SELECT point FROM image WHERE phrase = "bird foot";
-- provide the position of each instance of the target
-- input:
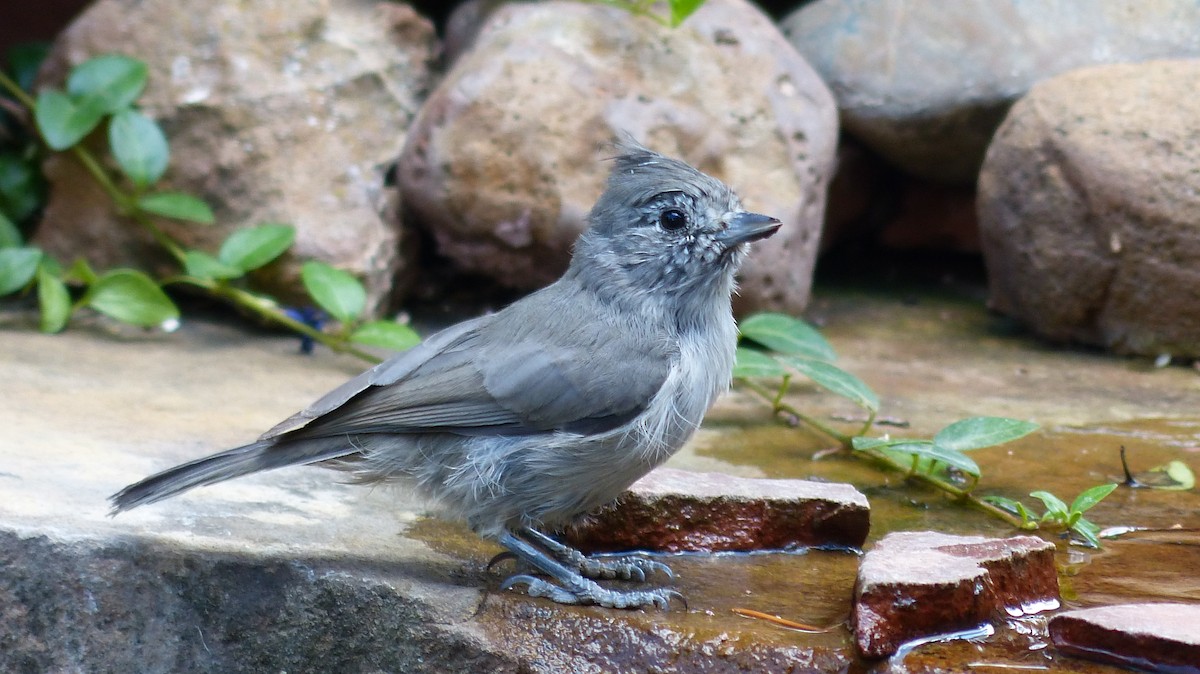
(624, 567)
(569, 571)
(586, 591)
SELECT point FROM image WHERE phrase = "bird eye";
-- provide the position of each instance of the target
(672, 219)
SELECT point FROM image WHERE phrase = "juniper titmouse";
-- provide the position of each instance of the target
(523, 420)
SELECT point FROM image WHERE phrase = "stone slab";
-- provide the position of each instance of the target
(1155, 637)
(673, 510)
(921, 583)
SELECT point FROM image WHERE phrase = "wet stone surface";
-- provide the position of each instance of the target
(922, 583)
(278, 571)
(1157, 637)
(673, 510)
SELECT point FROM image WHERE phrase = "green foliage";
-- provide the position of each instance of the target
(1058, 514)
(835, 380)
(386, 335)
(17, 267)
(21, 187)
(777, 347)
(334, 290)
(53, 299)
(132, 297)
(64, 121)
(248, 249)
(784, 334)
(104, 90)
(112, 81)
(24, 60)
(139, 146)
(10, 236)
(178, 206)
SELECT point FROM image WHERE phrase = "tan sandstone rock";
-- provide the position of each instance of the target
(506, 157)
(275, 111)
(1088, 207)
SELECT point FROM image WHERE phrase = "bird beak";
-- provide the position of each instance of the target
(746, 227)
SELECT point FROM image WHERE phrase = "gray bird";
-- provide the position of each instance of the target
(521, 421)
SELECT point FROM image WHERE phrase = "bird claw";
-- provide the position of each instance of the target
(589, 592)
(625, 568)
(500, 557)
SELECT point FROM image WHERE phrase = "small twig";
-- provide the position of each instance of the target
(782, 622)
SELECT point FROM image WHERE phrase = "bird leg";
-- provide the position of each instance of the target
(627, 567)
(572, 587)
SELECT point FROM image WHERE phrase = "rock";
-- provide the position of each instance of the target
(505, 159)
(1153, 637)
(921, 583)
(281, 112)
(1087, 209)
(672, 510)
(927, 83)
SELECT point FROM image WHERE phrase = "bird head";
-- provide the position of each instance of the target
(664, 227)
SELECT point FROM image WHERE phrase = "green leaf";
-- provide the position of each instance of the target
(1182, 475)
(115, 81)
(177, 205)
(202, 265)
(53, 299)
(80, 271)
(836, 380)
(10, 236)
(386, 335)
(21, 187)
(1172, 476)
(64, 121)
(1088, 531)
(334, 290)
(139, 146)
(929, 450)
(24, 60)
(863, 442)
(17, 267)
(682, 9)
(131, 297)
(1055, 506)
(1011, 505)
(977, 432)
(1090, 497)
(752, 363)
(785, 334)
(253, 247)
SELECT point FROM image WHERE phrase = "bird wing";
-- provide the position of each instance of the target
(387, 372)
(517, 373)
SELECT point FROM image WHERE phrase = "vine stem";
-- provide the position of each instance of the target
(779, 407)
(267, 309)
(127, 205)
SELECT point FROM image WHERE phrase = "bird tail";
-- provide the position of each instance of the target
(258, 456)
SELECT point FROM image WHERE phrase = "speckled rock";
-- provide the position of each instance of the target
(1152, 637)
(672, 510)
(919, 583)
(926, 83)
(1087, 209)
(275, 111)
(506, 157)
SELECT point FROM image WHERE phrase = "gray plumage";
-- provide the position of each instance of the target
(530, 417)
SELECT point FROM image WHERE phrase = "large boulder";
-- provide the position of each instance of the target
(275, 111)
(926, 82)
(507, 156)
(1088, 206)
